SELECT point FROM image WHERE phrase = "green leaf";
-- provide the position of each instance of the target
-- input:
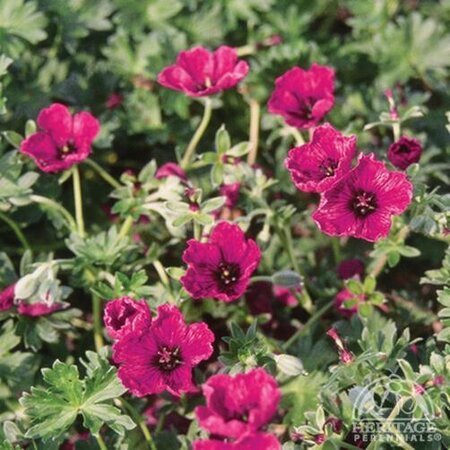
(13, 138)
(54, 408)
(223, 142)
(370, 284)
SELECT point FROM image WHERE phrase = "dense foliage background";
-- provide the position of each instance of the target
(104, 56)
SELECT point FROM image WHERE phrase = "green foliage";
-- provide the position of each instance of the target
(54, 407)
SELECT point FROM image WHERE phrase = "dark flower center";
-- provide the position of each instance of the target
(363, 203)
(119, 321)
(168, 359)
(305, 108)
(403, 149)
(67, 149)
(227, 274)
(328, 167)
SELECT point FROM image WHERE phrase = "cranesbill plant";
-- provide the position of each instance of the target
(223, 247)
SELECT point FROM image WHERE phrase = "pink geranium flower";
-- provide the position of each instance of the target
(238, 405)
(350, 268)
(303, 97)
(404, 152)
(125, 315)
(199, 72)
(254, 441)
(171, 170)
(162, 358)
(64, 140)
(222, 267)
(231, 193)
(317, 165)
(7, 298)
(38, 309)
(343, 296)
(362, 203)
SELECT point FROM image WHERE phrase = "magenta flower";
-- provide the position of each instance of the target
(7, 298)
(222, 267)
(231, 193)
(125, 315)
(199, 72)
(362, 203)
(65, 140)
(162, 358)
(317, 165)
(171, 170)
(350, 268)
(254, 441)
(238, 405)
(303, 97)
(38, 309)
(344, 296)
(114, 100)
(404, 152)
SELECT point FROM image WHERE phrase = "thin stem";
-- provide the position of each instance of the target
(97, 318)
(255, 113)
(142, 425)
(197, 231)
(103, 173)
(101, 442)
(299, 140)
(17, 231)
(307, 301)
(379, 264)
(388, 426)
(313, 319)
(257, 278)
(396, 130)
(126, 227)
(336, 245)
(57, 207)
(78, 201)
(190, 149)
(161, 273)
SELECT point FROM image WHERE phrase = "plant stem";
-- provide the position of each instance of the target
(396, 131)
(336, 245)
(261, 278)
(78, 201)
(103, 173)
(312, 320)
(255, 112)
(57, 207)
(97, 318)
(197, 231)
(307, 302)
(126, 227)
(101, 442)
(379, 264)
(161, 273)
(190, 149)
(299, 140)
(388, 426)
(142, 425)
(17, 231)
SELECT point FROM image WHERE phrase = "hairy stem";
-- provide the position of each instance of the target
(255, 113)
(78, 201)
(17, 231)
(126, 227)
(312, 320)
(101, 442)
(102, 173)
(44, 201)
(141, 422)
(190, 149)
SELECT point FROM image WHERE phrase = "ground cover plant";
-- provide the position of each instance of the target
(224, 225)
